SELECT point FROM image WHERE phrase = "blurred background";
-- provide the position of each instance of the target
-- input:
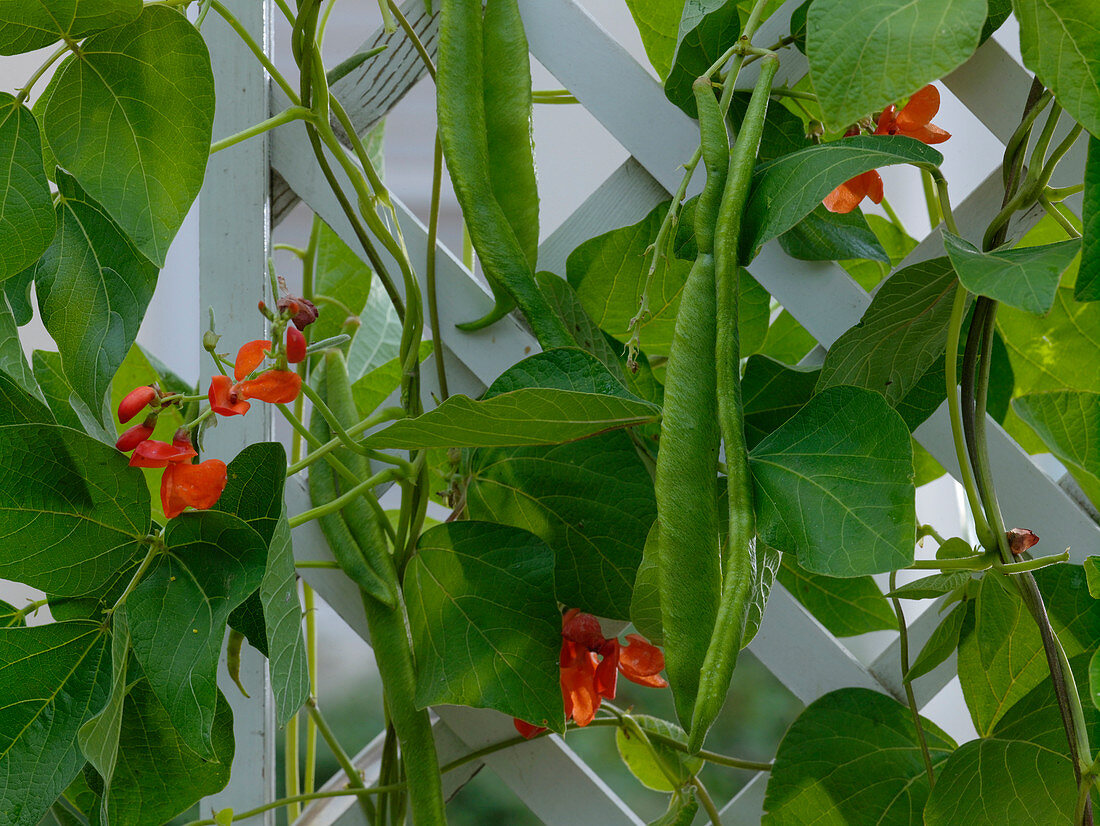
(574, 156)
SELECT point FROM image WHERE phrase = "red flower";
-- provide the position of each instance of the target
(134, 402)
(151, 453)
(225, 398)
(590, 665)
(295, 345)
(249, 357)
(134, 437)
(274, 386)
(913, 121)
(199, 486)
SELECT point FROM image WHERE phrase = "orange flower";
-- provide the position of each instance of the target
(151, 453)
(134, 402)
(274, 386)
(199, 486)
(590, 665)
(249, 357)
(225, 399)
(913, 121)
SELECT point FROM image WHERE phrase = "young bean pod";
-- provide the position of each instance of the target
(686, 484)
(729, 629)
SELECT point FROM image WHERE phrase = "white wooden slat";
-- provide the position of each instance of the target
(524, 769)
(747, 806)
(370, 91)
(233, 250)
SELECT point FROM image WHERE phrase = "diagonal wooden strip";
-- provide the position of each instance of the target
(369, 92)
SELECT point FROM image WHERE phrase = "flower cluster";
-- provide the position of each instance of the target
(229, 397)
(914, 121)
(590, 665)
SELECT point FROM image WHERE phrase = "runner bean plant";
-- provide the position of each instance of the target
(674, 449)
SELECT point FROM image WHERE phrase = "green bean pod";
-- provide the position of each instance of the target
(498, 200)
(353, 534)
(686, 483)
(729, 629)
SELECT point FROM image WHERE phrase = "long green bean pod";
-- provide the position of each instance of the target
(686, 484)
(464, 134)
(729, 629)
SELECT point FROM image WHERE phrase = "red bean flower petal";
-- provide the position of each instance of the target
(526, 729)
(151, 453)
(273, 386)
(134, 402)
(224, 399)
(134, 437)
(198, 486)
(249, 357)
(583, 629)
(295, 345)
(640, 661)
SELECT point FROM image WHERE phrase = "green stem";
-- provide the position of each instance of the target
(317, 563)
(156, 547)
(286, 116)
(340, 502)
(930, 198)
(707, 801)
(410, 33)
(944, 198)
(309, 261)
(433, 299)
(314, 674)
(1060, 193)
(893, 216)
(256, 50)
(1036, 103)
(1031, 564)
(903, 638)
(928, 530)
(1055, 156)
(25, 91)
(385, 415)
(793, 93)
(978, 562)
(302, 798)
(330, 418)
(1055, 211)
(350, 772)
(1082, 800)
(290, 768)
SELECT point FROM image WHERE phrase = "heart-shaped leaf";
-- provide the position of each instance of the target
(846, 607)
(1026, 277)
(832, 236)
(557, 396)
(1068, 422)
(485, 621)
(838, 494)
(26, 25)
(852, 757)
(865, 54)
(788, 189)
(26, 208)
(143, 163)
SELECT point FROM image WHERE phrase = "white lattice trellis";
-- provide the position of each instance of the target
(557, 786)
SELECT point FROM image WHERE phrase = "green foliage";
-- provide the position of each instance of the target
(853, 757)
(864, 55)
(657, 22)
(830, 236)
(1068, 422)
(707, 29)
(941, 644)
(26, 214)
(1088, 281)
(841, 499)
(25, 27)
(846, 607)
(485, 623)
(642, 759)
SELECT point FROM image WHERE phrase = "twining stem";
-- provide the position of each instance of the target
(257, 50)
(433, 298)
(314, 674)
(903, 638)
(355, 780)
(309, 261)
(707, 801)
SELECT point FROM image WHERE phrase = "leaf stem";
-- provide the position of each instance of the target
(410, 32)
(290, 769)
(340, 502)
(355, 780)
(156, 547)
(256, 50)
(903, 638)
(433, 299)
(707, 801)
(1056, 212)
(289, 114)
(314, 674)
(25, 90)
(387, 414)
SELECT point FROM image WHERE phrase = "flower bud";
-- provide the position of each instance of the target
(302, 311)
(295, 345)
(134, 402)
(134, 437)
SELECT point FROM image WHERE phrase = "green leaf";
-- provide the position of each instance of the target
(1094, 678)
(485, 622)
(557, 396)
(642, 759)
(72, 512)
(707, 29)
(178, 614)
(93, 287)
(787, 340)
(99, 736)
(1037, 717)
(283, 619)
(846, 607)
(55, 387)
(1026, 277)
(658, 23)
(1092, 575)
(999, 12)
(1068, 422)
(26, 26)
(1088, 280)
(942, 642)
(853, 757)
(378, 339)
(143, 163)
(1060, 43)
(13, 362)
(158, 776)
(784, 132)
(838, 495)
(377, 385)
(254, 487)
(610, 272)
(26, 207)
(788, 189)
(831, 236)
(682, 808)
(865, 54)
(339, 274)
(53, 678)
(591, 501)
(17, 290)
(508, 129)
(1003, 781)
(798, 25)
(901, 335)
(771, 393)
(930, 587)
(1000, 653)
